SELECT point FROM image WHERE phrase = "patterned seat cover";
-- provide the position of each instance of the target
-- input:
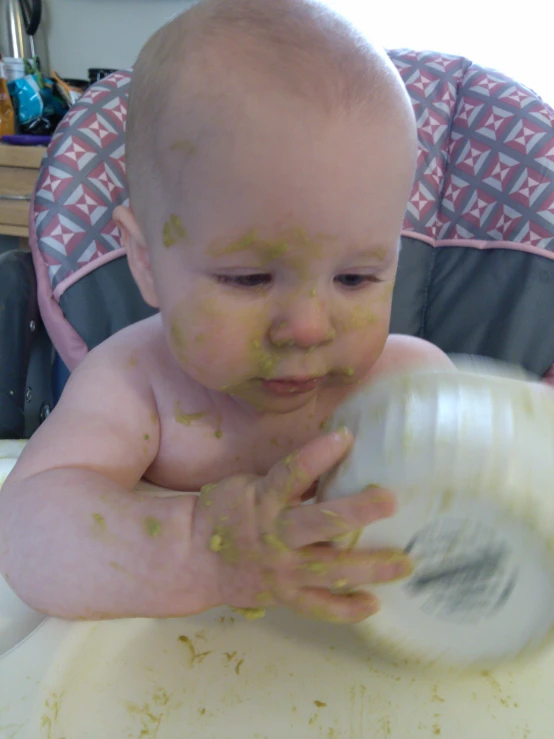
(485, 179)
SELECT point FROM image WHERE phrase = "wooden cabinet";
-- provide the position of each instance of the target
(19, 167)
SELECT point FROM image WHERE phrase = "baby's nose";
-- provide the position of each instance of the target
(303, 323)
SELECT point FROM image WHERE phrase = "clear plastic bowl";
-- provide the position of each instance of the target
(470, 457)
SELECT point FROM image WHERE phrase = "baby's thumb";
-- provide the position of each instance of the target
(296, 476)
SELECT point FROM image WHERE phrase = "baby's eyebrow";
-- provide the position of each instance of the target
(378, 254)
(270, 249)
(244, 243)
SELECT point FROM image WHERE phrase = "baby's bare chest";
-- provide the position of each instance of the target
(203, 442)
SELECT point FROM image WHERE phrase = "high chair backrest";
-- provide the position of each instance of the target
(476, 270)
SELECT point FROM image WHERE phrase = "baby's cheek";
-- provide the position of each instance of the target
(242, 346)
(220, 338)
(250, 346)
(367, 314)
(191, 327)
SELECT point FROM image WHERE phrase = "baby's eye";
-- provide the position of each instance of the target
(254, 280)
(354, 280)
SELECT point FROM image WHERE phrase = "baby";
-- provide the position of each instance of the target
(270, 156)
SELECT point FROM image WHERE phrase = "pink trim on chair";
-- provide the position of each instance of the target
(475, 244)
(86, 269)
(548, 377)
(69, 344)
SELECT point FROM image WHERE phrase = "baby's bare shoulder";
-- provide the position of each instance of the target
(404, 352)
(106, 419)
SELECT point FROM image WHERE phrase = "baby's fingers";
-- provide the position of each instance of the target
(325, 567)
(323, 605)
(301, 526)
(293, 476)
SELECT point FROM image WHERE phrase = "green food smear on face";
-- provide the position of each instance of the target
(173, 231)
(218, 433)
(359, 317)
(294, 242)
(265, 361)
(282, 343)
(168, 238)
(178, 340)
(270, 251)
(216, 543)
(245, 242)
(152, 526)
(146, 437)
(177, 226)
(184, 145)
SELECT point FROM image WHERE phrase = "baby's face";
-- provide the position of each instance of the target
(275, 259)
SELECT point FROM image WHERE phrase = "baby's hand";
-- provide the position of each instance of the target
(272, 550)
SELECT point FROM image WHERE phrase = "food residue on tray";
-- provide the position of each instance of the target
(195, 656)
(49, 718)
(151, 713)
(436, 696)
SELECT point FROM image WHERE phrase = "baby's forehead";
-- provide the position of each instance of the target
(290, 243)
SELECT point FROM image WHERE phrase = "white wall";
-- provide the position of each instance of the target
(101, 33)
(514, 39)
(109, 33)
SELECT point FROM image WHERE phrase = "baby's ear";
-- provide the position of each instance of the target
(137, 253)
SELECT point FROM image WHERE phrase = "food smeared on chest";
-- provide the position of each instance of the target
(152, 527)
(98, 524)
(187, 418)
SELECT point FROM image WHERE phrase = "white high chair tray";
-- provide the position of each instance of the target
(218, 676)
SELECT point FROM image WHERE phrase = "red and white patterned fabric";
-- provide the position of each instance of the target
(485, 172)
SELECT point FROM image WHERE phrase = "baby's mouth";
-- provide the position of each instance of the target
(292, 385)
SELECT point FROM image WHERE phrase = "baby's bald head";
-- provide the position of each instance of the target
(193, 79)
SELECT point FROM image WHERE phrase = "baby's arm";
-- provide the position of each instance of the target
(74, 541)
